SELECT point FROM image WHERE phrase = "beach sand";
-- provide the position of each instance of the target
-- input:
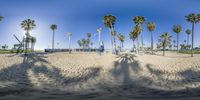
(90, 76)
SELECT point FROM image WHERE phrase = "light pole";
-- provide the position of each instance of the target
(69, 37)
(99, 31)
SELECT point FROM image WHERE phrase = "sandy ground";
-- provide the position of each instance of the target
(91, 76)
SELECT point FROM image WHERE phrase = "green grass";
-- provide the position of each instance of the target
(189, 52)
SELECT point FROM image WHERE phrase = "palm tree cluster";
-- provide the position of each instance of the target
(121, 38)
(109, 22)
(28, 25)
(85, 42)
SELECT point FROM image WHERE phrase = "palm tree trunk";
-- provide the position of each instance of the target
(151, 42)
(142, 42)
(53, 41)
(111, 38)
(192, 39)
(187, 39)
(163, 50)
(26, 44)
(177, 41)
(115, 45)
(69, 44)
(33, 47)
(138, 45)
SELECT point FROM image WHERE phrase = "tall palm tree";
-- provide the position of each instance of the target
(151, 27)
(193, 19)
(137, 31)
(133, 36)
(69, 34)
(27, 25)
(33, 41)
(53, 28)
(1, 18)
(165, 40)
(177, 29)
(109, 22)
(139, 21)
(188, 32)
(121, 38)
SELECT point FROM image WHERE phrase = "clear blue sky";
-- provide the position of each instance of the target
(82, 16)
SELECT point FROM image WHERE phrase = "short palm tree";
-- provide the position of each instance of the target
(79, 43)
(69, 34)
(139, 21)
(88, 38)
(177, 29)
(121, 38)
(1, 18)
(53, 28)
(193, 19)
(151, 27)
(33, 41)
(109, 22)
(174, 42)
(28, 25)
(165, 40)
(28, 41)
(188, 32)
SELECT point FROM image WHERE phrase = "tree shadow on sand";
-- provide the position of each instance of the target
(125, 72)
(131, 87)
(15, 79)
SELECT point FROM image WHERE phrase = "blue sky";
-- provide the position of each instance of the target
(82, 16)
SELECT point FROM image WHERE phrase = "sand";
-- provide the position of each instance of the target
(92, 76)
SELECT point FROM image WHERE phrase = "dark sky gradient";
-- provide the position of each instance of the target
(82, 16)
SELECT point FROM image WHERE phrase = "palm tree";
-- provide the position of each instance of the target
(69, 34)
(177, 29)
(151, 27)
(88, 39)
(137, 31)
(33, 41)
(109, 22)
(133, 35)
(1, 18)
(28, 25)
(53, 28)
(79, 43)
(188, 32)
(139, 21)
(193, 19)
(184, 42)
(84, 43)
(174, 42)
(165, 40)
(121, 38)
